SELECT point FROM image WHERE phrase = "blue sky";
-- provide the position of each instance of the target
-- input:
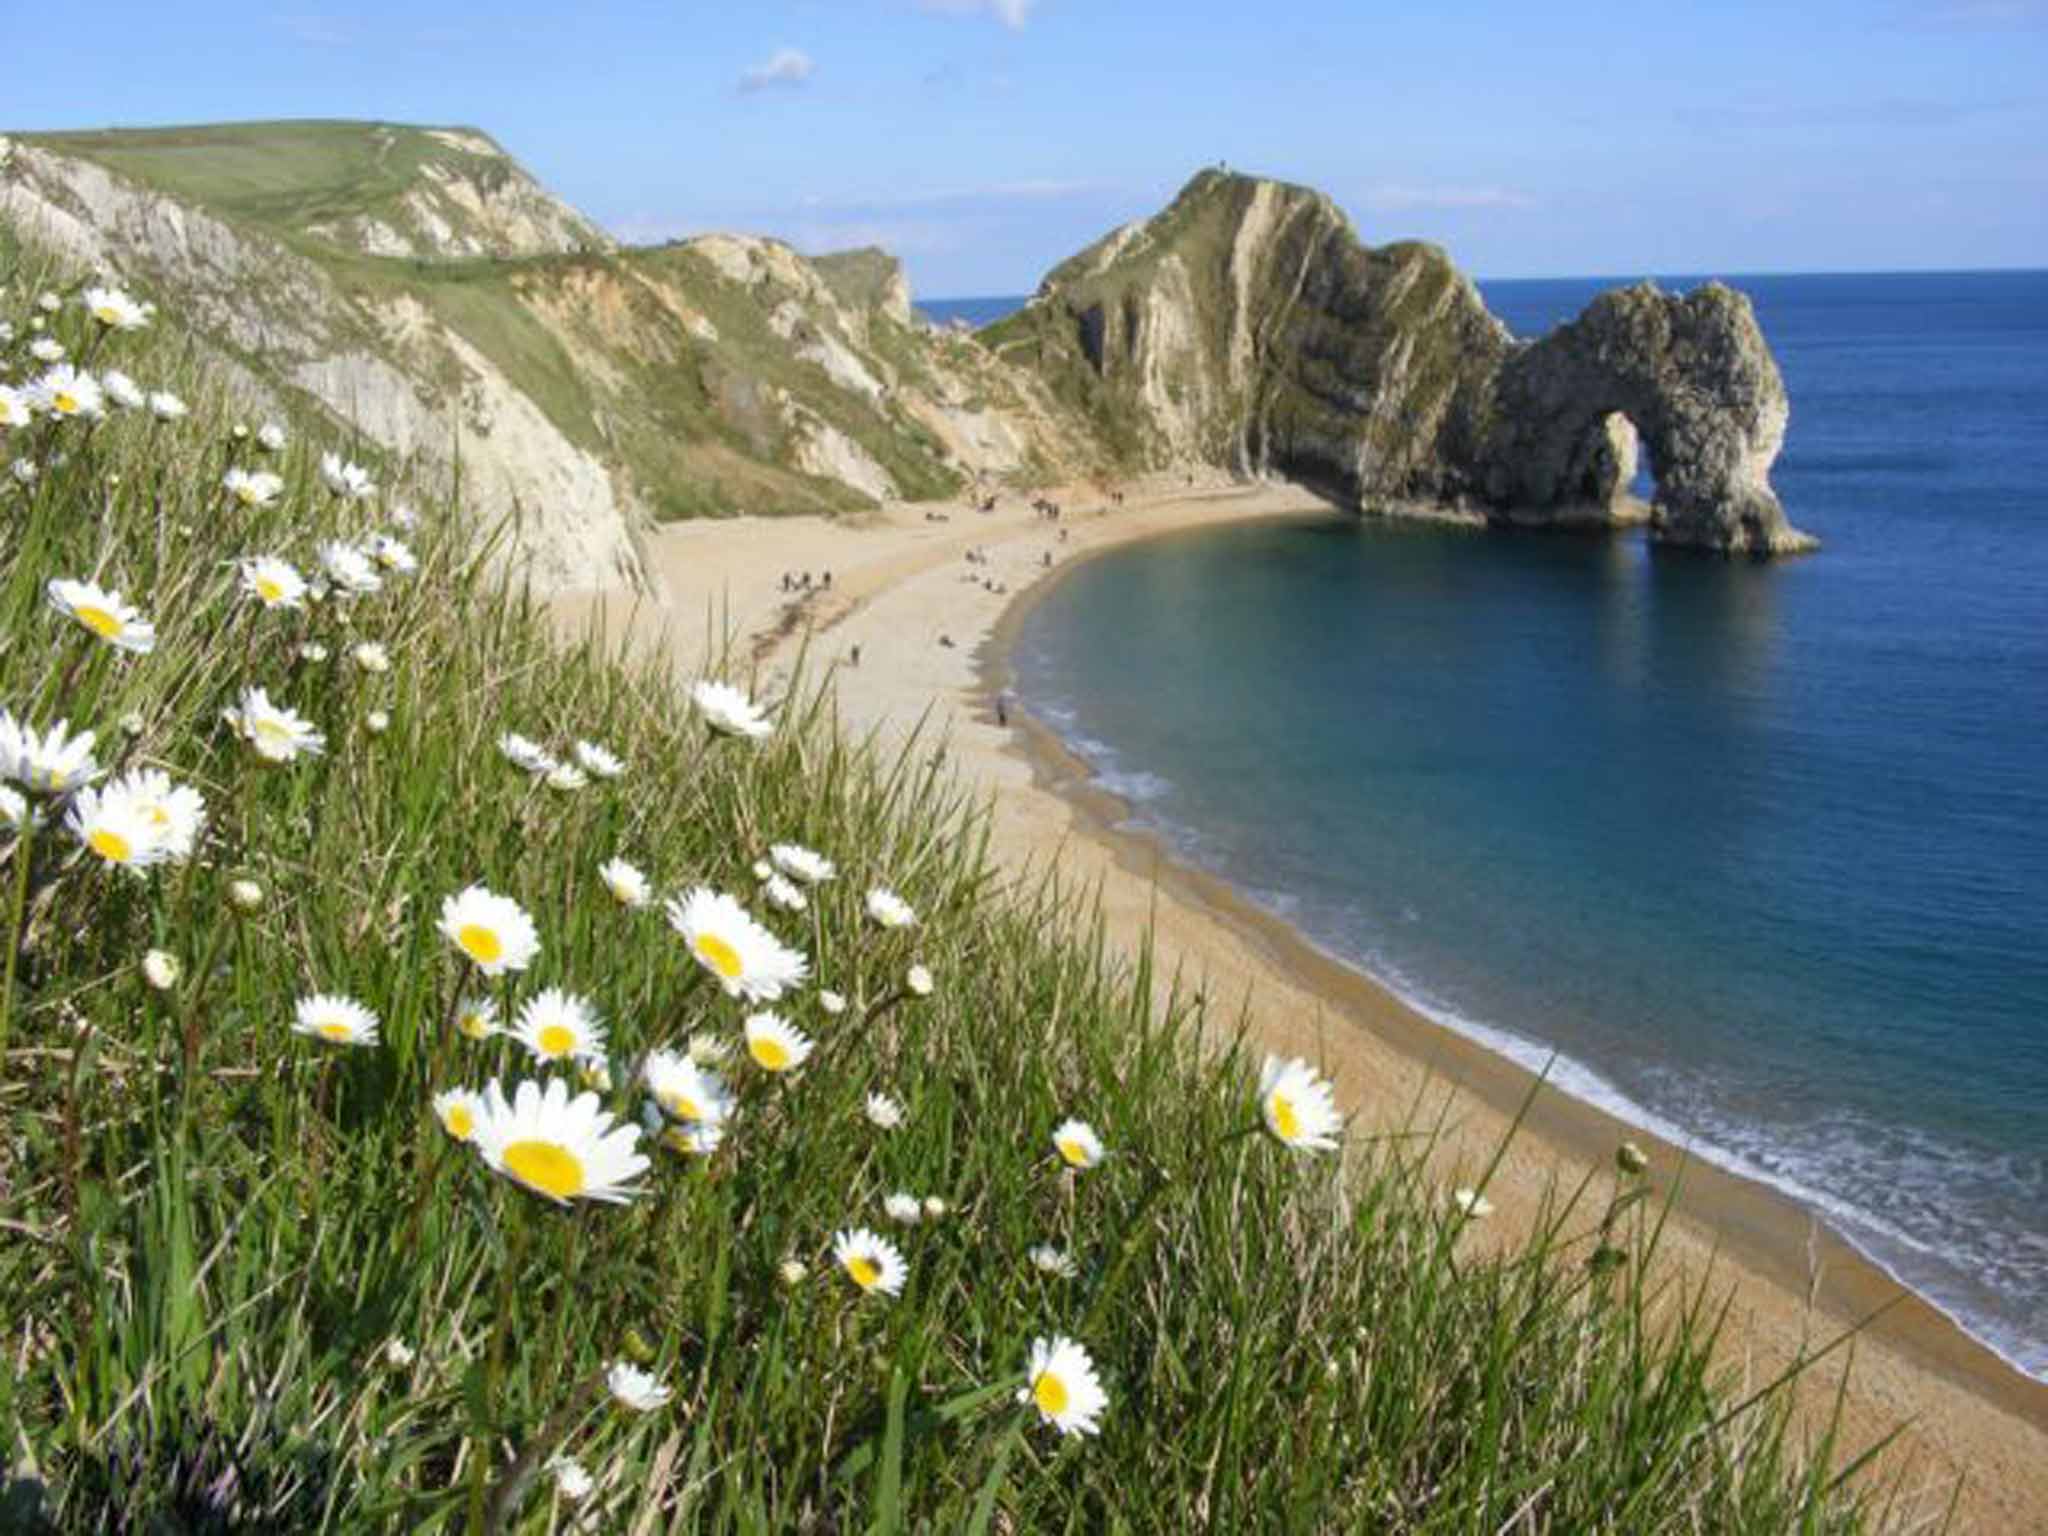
(983, 140)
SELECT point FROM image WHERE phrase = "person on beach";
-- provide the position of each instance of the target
(1003, 711)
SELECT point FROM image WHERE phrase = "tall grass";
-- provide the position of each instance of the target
(248, 1281)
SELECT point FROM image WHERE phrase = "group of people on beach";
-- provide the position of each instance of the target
(800, 581)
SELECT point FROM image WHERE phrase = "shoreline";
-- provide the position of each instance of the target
(937, 639)
(1588, 1127)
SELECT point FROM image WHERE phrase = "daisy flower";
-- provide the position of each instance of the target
(122, 390)
(270, 437)
(114, 309)
(693, 1138)
(783, 894)
(729, 711)
(1078, 1145)
(103, 612)
(476, 1018)
(349, 481)
(177, 812)
(628, 886)
(884, 1111)
(831, 1002)
(557, 1025)
(273, 582)
(902, 1208)
(65, 392)
(165, 406)
(335, 1019)
(1298, 1106)
(775, 1045)
(371, 657)
(934, 1208)
(46, 349)
(597, 762)
(572, 1482)
(115, 824)
(706, 1049)
(1057, 1262)
(491, 931)
(871, 1261)
(1063, 1387)
(459, 1109)
(14, 407)
(51, 761)
(890, 910)
(559, 1148)
(635, 1389)
(393, 554)
(919, 980)
(1472, 1203)
(566, 777)
(279, 735)
(801, 864)
(257, 488)
(521, 752)
(686, 1089)
(349, 569)
(747, 959)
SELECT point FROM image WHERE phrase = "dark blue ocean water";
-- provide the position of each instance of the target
(1760, 850)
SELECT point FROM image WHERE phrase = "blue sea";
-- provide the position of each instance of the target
(1759, 852)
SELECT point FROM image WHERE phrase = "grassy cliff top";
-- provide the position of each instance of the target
(294, 177)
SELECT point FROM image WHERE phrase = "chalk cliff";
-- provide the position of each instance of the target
(1246, 325)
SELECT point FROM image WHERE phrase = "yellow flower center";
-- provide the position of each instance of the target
(481, 944)
(98, 620)
(106, 314)
(770, 1053)
(336, 1030)
(459, 1121)
(474, 1025)
(64, 403)
(546, 1166)
(719, 955)
(1286, 1123)
(1073, 1151)
(682, 1106)
(268, 589)
(110, 845)
(1050, 1393)
(864, 1270)
(557, 1040)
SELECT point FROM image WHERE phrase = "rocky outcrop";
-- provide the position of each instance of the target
(1247, 326)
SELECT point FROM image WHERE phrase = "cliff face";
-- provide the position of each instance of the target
(420, 289)
(1247, 326)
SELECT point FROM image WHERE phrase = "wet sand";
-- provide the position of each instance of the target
(932, 640)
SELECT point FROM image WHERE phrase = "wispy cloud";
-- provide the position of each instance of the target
(1397, 197)
(785, 67)
(1011, 13)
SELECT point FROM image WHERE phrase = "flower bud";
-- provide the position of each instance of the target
(245, 895)
(1631, 1159)
(160, 969)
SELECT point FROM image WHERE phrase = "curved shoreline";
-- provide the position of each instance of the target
(936, 637)
(1591, 1129)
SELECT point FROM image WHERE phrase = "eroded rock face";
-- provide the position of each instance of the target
(1247, 326)
(1693, 374)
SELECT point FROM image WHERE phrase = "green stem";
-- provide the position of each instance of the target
(494, 1365)
(24, 849)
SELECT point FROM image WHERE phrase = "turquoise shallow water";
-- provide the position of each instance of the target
(1760, 851)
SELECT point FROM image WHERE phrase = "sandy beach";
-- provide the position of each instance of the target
(930, 628)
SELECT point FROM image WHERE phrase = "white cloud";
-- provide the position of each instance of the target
(1395, 197)
(785, 67)
(1011, 13)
